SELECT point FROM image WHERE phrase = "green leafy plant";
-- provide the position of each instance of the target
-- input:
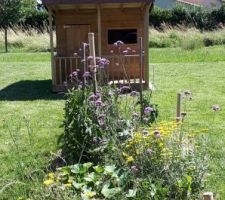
(87, 181)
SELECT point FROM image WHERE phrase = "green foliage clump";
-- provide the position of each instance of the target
(201, 18)
(88, 181)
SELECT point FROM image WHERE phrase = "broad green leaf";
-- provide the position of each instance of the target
(87, 165)
(99, 169)
(189, 179)
(109, 170)
(78, 186)
(132, 193)
(90, 177)
(110, 192)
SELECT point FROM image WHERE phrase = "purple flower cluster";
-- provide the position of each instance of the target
(149, 151)
(215, 107)
(134, 94)
(124, 89)
(148, 110)
(118, 43)
(134, 168)
(87, 74)
(101, 119)
(102, 62)
(157, 134)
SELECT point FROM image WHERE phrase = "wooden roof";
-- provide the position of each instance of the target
(45, 2)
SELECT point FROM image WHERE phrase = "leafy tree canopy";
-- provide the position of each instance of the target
(10, 12)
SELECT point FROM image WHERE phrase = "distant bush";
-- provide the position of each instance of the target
(186, 38)
(201, 18)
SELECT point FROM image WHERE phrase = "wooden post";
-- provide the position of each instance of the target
(51, 46)
(91, 39)
(141, 76)
(208, 196)
(178, 116)
(99, 31)
(6, 40)
(146, 42)
(85, 64)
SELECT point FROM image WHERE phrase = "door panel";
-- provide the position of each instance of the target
(76, 35)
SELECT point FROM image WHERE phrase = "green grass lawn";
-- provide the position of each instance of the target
(31, 116)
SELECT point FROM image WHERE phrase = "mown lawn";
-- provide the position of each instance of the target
(31, 116)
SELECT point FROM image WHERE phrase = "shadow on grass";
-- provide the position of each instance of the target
(29, 90)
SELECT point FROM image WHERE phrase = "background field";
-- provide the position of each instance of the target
(31, 116)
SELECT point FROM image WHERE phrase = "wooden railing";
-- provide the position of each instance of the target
(63, 67)
(121, 70)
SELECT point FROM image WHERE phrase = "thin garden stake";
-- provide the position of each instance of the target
(178, 117)
(91, 39)
(85, 63)
(141, 76)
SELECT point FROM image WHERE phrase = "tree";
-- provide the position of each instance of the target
(9, 15)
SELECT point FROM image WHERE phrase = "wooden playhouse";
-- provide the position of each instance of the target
(110, 21)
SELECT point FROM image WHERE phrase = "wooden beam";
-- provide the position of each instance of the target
(146, 44)
(51, 45)
(91, 39)
(99, 31)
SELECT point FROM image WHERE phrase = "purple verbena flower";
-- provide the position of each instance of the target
(134, 168)
(135, 115)
(125, 52)
(215, 107)
(75, 73)
(118, 43)
(103, 142)
(90, 58)
(146, 133)
(124, 89)
(110, 93)
(103, 62)
(86, 74)
(148, 110)
(101, 119)
(149, 151)
(157, 134)
(98, 103)
(134, 93)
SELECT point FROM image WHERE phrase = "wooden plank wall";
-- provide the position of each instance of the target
(110, 19)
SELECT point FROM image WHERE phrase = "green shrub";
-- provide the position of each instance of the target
(202, 18)
(86, 181)
(167, 161)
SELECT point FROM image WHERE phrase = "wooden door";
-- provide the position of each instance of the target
(76, 35)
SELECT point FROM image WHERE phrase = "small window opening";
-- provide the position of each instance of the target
(128, 36)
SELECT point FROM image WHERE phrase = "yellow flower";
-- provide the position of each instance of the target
(51, 175)
(68, 185)
(48, 182)
(70, 181)
(160, 144)
(90, 194)
(125, 154)
(138, 151)
(130, 159)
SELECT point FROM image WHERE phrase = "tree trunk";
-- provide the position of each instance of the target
(6, 40)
